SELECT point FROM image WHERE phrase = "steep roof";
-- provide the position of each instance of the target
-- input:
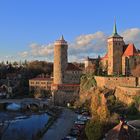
(115, 29)
(130, 50)
(115, 33)
(113, 134)
(72, 67)
(106, 56)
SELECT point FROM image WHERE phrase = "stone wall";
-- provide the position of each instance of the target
(63, 97)
(126, 94)
(113, 82)
(72, 77)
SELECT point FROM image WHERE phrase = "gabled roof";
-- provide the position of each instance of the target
(130, 50)
(106, 56)
(72, 67)
(113, 134)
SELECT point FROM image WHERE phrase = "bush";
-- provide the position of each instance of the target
(132, 110)
(87, 81)
(137, 102)
(93, 130)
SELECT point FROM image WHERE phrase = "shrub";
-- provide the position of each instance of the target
(93, 130)
(132, 110)
(137, 100)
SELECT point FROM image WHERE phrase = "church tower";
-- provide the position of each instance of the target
(60, 60)
(115, 51)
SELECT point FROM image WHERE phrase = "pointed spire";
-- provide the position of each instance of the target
(115, 29)
(62, 38)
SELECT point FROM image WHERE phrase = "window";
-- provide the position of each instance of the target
(37, 82)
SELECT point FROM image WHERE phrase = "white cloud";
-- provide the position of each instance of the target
(41, 50)
(23, 54)
(89, 44)
(83, 45)
(132, 36)
(10, 58)
(38, 51)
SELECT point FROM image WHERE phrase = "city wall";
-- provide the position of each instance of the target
(125, 87)
(62, 97)
(126, 94)
(113, 82)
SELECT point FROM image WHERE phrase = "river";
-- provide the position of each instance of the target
(23, 127)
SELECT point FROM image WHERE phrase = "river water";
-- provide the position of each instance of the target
(24, 127)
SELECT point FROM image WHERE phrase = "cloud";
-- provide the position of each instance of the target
(9, 58)
(82, 46)
(88, 45)
(38, 51)
(132, 36)
(23, 54)
(41, 50)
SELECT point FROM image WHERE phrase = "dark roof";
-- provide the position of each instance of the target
(124, 47)
(135, 124)
(72, 67)
(115, 34)
(91, 59)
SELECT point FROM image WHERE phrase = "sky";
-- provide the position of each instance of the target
(28, 28)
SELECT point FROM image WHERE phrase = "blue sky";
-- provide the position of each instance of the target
(26, 23)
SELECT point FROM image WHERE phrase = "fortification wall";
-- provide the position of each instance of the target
(113, 82)
(62, 97)
(126, 94)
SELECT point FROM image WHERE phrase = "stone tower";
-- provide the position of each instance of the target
(60, 60)
(115, 51)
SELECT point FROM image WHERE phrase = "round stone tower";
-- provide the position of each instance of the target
(60, 60)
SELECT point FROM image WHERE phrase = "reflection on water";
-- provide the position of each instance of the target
(24, 128)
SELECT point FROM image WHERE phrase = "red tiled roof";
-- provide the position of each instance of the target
(113, 134)
(72, 67)
(41, 79)
(130, 50)
(106, 56)
(66, 85)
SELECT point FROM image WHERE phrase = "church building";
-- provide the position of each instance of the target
(120, 58)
